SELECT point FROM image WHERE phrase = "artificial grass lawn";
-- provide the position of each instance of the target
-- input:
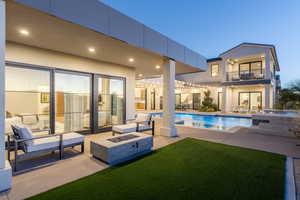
(188, 169)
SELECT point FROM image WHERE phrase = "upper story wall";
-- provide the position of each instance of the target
(230, 62)
(205, 77)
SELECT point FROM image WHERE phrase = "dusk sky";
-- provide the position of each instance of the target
(211, 27)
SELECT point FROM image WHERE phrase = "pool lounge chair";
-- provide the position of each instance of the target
(141, 123)
(32, 146)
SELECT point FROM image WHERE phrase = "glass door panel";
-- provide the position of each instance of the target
(196, 101)
(244, 100)
(177, 101)
(72, 102)
(27, 97)
(255, 101)
(110, 102)
(140, 98)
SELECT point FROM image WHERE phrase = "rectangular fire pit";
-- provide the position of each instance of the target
(119, 149)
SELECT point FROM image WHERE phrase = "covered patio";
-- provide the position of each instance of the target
(68, 64)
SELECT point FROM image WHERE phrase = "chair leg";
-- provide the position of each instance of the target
(16, 156)
(82, 147)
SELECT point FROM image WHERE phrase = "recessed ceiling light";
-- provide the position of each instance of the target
(92, 50)
(140, 75)
(24, 32)
(157, 67)
(130, 59)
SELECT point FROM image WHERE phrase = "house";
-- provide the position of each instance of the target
(72, 66)
(243, 78)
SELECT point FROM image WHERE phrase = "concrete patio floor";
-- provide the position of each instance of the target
(74, 166)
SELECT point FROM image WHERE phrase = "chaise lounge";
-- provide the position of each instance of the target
(32, 146)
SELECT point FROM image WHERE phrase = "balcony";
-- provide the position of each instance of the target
(245, 75)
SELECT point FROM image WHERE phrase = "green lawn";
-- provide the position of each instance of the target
(188, 169)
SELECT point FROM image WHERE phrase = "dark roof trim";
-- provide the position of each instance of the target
(250, 82)
(214, 59)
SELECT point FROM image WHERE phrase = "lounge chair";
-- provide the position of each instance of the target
(32, 146)
(141, 123)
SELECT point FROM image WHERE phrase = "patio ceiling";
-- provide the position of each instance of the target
(50, 32)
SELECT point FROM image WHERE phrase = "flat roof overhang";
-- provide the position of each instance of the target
(54, 33)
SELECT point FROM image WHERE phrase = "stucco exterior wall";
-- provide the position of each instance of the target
(36, 56)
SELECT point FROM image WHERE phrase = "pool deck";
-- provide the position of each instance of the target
(73, 167)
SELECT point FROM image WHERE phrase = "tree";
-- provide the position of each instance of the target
(207, 101)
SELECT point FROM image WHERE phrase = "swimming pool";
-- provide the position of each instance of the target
(217, 122)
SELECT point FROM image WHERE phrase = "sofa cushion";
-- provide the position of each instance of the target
(53, 142)
(128, 128)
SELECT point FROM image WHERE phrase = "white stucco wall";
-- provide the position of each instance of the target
(36, 56)
(203, 77)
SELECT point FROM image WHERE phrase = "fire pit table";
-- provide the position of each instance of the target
(118, 149)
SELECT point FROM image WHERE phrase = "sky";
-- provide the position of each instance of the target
(211, 27)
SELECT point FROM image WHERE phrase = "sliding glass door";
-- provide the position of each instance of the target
(72, 102)
(110, 101)
(250, 100)
(27, 98)
(61, 100)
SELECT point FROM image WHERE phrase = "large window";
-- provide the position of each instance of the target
(62, 100)
(72, 102)
(110, 104)
(27, 97)
(250, 100)
(140, 98)
(251, 70)
(214, 70)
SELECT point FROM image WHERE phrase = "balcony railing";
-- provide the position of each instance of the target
(245, 75)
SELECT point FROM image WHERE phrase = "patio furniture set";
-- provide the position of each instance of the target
(110, 150)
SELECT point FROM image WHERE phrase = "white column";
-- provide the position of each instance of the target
(267, 67)
(168, 128)
(5, 169)
(267, 96)
(224, 99)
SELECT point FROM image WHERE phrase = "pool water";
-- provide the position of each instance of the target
(217, 122)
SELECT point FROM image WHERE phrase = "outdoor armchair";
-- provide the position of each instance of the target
(142, 122)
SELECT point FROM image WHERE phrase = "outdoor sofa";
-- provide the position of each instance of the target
(22, 139)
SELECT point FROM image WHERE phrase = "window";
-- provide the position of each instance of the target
(110, 104)
(72, 102)
(214, 70)
(27, 97)
(140, 98)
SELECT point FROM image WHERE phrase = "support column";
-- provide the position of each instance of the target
(267, 96)
(168, 128)
(5, 169)
(224, 99)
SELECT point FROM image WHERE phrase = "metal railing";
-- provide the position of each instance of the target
(245, 75)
